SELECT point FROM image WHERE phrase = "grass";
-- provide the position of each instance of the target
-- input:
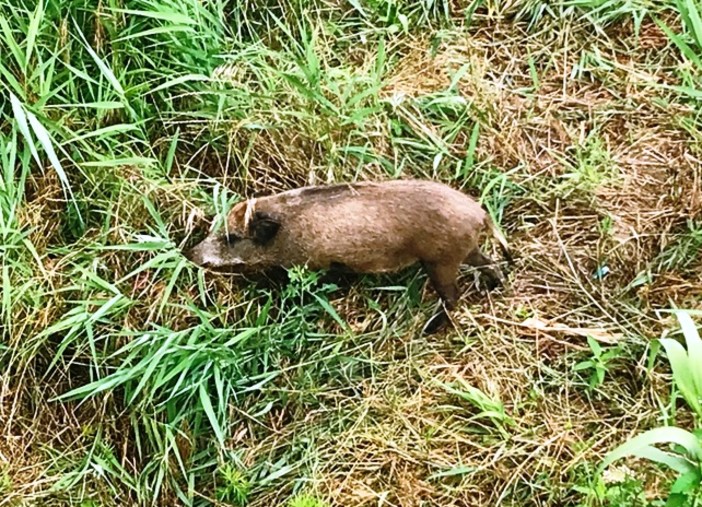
(129, 377)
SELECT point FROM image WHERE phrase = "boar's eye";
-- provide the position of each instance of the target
(264, 227)
(231, 238)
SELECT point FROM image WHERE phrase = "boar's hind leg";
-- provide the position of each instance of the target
(482, 262)
(443, 279)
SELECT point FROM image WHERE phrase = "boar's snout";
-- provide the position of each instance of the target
(194, 255)
(205, 254)
(212, 254)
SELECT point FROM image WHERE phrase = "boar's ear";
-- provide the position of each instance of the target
(263, 227)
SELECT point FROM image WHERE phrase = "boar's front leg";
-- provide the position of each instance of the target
(443, 279)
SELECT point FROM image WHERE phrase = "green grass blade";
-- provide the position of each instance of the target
(695, 21)
(157, 31)
(331, 311)
(209, 411)
(93, 388)
(154, 362)
(11, 43)
(171, 17)
(170, 156)
(188, 78)
(684, 47)
(172, 282)
(104, 132)
(680, 465)
(7, 297)
(9, 80)
(104, 69)
(44, 139)
(21, 119)
(33, 30)
(103, 104)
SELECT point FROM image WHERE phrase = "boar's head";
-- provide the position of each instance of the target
(242, 246)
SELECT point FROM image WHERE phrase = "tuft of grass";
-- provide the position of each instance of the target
(234, 488)
(488, 407)
(684, 252)
(305, 500)
(590, 167)
(5, 482)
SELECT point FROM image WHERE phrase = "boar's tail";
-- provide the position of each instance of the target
(500, 238)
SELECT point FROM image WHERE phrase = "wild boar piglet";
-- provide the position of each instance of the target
(365, 227)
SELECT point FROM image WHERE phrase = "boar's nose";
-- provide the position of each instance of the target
(194, 256)
(191, 254)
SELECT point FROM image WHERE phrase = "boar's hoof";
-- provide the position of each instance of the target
(491, 280)
(436, 322)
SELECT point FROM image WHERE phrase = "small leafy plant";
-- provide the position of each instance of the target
(235, 486)
(598, 364)
(617, 489)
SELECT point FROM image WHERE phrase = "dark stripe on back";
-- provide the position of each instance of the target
(328, 190)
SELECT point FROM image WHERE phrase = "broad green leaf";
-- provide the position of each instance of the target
(687, 482)
(682, 372)
(594, 346)
(694, 350)
(667, 434)
(676, 500)
(673, 461)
